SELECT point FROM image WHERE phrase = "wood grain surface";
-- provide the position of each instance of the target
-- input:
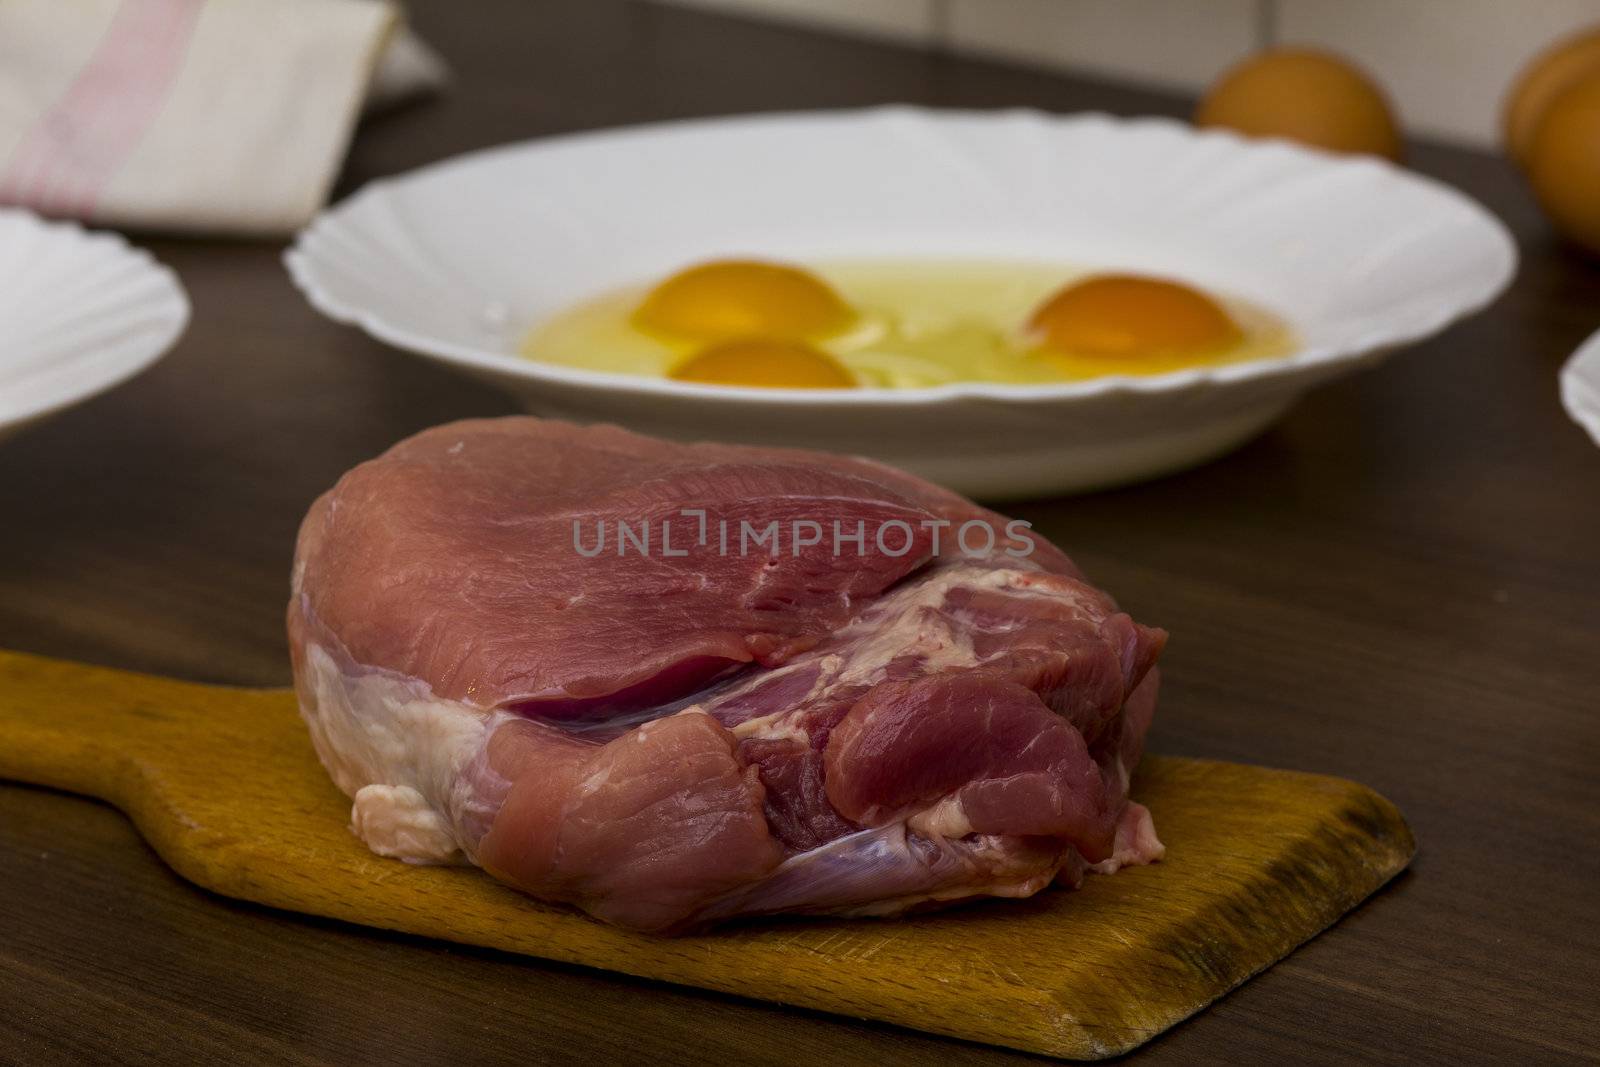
(1259, 860)
(1399, 584)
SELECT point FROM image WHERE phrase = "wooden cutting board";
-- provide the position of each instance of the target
(225, 786)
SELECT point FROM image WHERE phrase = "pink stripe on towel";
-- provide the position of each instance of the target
(74, 151)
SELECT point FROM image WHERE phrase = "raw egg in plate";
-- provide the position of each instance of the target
(903, 324)
(918, 307)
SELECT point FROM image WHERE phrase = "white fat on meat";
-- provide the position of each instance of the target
(400, 753)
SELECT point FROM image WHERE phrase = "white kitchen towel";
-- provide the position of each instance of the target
(207, 116)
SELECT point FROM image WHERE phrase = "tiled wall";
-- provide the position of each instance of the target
(1446, 63)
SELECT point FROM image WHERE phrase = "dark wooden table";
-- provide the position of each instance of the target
(1400, 584)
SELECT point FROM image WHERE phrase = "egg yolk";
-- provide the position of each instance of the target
(734, 298)
(770, 363)
(1126, 315)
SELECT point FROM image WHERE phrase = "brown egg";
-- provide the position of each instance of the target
(1545, 77)
(1564, 162)
(1307, 96)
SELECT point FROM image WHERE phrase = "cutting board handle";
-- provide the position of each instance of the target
(101, 732)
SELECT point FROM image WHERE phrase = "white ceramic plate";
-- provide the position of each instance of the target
(79, 313)
(458, 260)
(1580, 386)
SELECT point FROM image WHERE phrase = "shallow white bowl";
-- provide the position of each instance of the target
(1580, 386)
(458, 260)
(79, 313)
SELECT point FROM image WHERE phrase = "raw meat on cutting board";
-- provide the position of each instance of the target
(552, 651)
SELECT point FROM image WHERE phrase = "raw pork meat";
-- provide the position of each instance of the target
(555, 652)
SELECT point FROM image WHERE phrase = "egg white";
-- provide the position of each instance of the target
(920, 323)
